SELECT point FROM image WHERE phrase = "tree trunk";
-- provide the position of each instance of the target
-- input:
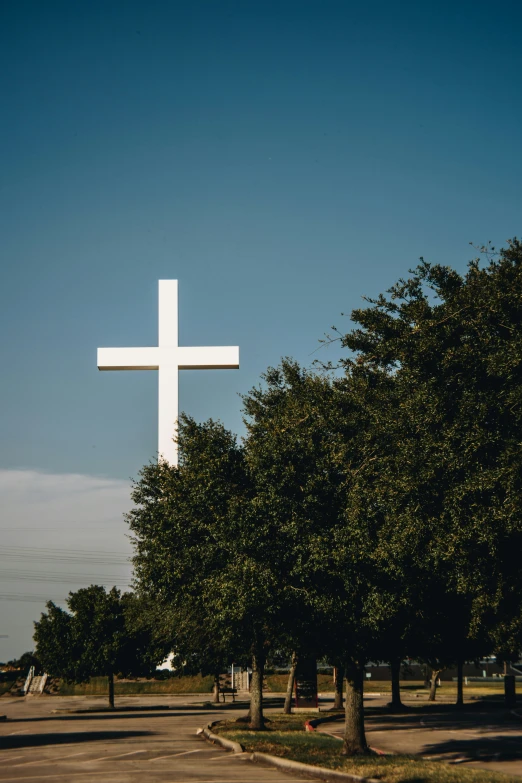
(256, 694)
(510, 692)
(111, 690)
(435, 673)
(354, 738)
(339, 682)
(460, 679)
(215, 691)
(290, 686)
(395, 669)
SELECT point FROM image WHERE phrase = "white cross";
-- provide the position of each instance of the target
(168, 358)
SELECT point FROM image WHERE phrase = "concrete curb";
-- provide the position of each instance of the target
(235, 747)
(285, 765)
(322, 773)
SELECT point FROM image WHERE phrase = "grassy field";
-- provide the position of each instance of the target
(276, 683)
(447, 689)
(286, 737)
(98, 687)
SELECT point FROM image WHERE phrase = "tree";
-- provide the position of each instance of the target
(24, 662)
(197, 650)
(237, 540)
(287, 708)
(99, 636)
(292, 449)
(206, 553)
(310, 439)
(453, 345)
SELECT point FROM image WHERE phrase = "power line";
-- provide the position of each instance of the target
(14, 576)
(53, 550)
(30, 598)
(66, 527)
(33, 598)
(73, 556)
(72, 560)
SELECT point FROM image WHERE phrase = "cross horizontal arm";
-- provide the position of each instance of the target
(213, 357)
(128, 358)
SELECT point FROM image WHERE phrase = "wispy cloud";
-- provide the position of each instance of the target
(39, 499)
(58, 532)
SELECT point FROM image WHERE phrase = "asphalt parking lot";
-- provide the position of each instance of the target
(46, 738)
(149, 746)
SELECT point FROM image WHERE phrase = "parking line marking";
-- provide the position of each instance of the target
(67, 777)
(119, 756)
(173, 755)
(51, 761)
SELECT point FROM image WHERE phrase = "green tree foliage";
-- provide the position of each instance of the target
(101, 634)
(295, 452)
(453, 346)
(268, 546)
(206, 555)
(310, 438)
(24, 663)
(370, 516)
(236, 542)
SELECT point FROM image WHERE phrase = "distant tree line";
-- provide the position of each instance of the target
(373, 510)
(103, 633)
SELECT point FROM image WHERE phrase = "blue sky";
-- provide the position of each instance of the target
(280, 159)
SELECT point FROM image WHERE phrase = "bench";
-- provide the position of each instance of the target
(233, 691)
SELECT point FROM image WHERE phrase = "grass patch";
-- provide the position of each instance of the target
(98, 686)
(276, 683)
(448, 688)
(285, 736)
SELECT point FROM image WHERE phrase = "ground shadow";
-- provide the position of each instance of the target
(100, 716)
(505, 747)
(36, 740)
(493, 700)
(441, 717)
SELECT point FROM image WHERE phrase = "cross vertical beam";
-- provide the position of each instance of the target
(168, 358)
